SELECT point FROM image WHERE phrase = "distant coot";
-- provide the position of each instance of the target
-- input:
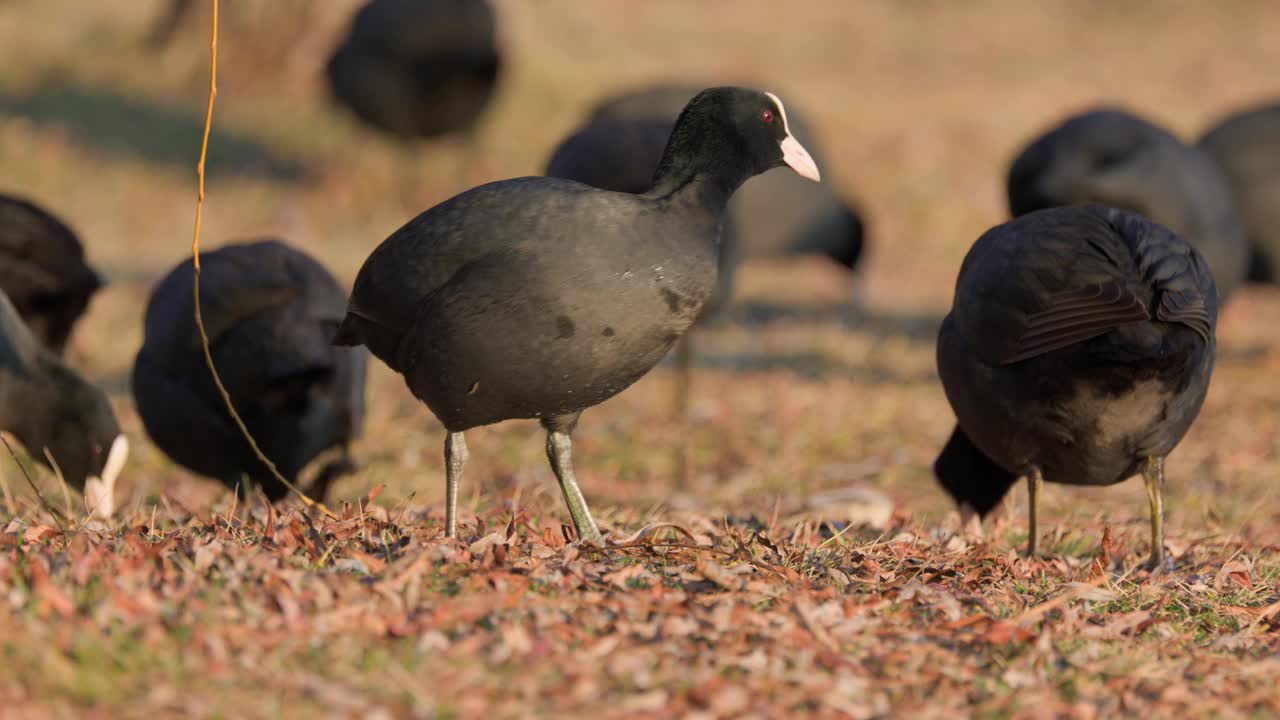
(540, 297)
(418, 69)
(1247, 146)
(269, 311)
(45, 404)
(1078, 351)
(43, 271)
(775, 214)
(1115, 158)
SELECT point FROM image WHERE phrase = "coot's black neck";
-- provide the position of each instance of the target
(701, 163)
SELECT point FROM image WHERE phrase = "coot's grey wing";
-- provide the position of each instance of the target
(427, 251)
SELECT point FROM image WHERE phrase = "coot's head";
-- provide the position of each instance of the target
(1105, 156)
(973, 480)
(735, 132)
(84, 438)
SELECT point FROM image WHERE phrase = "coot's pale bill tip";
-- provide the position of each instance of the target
(793, 153)
(798, 159)
(100, 493)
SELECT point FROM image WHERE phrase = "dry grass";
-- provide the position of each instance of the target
(199, 608)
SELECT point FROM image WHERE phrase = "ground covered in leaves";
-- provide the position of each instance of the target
(271, 613)
(802, 563)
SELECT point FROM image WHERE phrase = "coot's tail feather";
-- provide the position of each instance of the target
(349, 333)
(382, 341)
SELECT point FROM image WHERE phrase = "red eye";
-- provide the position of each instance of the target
(96, 451)
(767, 116)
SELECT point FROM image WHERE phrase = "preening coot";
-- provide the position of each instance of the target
(540, 297)
(1078, 351)
(270, 311)
(45, 404)
(1117, 159)
(1247, 146)
(43, 271)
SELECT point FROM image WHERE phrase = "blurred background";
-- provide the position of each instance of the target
(919, 106)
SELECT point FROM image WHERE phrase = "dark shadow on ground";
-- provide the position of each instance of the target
(150, 132)
(812, 365)
(920, 327)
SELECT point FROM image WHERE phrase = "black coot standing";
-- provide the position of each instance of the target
(540, 297)
(1247, 146)
(43, 271)
(46, 405)
(1114, 158)
(418, 69)
(270, 311)
(1078, 351)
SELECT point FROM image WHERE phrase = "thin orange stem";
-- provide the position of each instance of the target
(195, 257)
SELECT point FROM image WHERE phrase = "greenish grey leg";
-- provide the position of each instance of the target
(455, 457)
(1153, 476)
(684, 375)
(1035, 479)
(560, 453)
(684, 381)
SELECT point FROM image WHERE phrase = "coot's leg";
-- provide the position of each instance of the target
(684, 380)
(560, 453)
(1034, 480)
(1153, 475)
(455, 457)
(334, 469)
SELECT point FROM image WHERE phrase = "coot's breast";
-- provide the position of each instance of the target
(522, 333)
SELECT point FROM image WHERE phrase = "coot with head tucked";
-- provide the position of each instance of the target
(270, 311)
(43, 271)
(1115, 158)
(418, 69)
(1247, 146)
(1078, 350)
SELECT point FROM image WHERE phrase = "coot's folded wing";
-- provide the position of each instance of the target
(1076, 315)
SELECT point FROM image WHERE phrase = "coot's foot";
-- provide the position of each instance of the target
(1153, 476)
(455, 458)
(1035, 479)
(560, 453)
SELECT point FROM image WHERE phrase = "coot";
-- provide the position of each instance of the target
(43, 271)
(1115, 158)
(269, 311)
(45, 404)
(1247, 146)
(1078, 350)
(418, 68)
(540, 297)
